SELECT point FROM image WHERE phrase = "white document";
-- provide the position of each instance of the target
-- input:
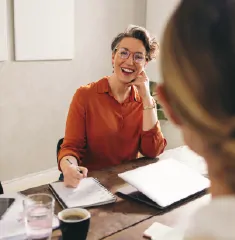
(186, 156)
(12, 224)
(89, 192)
(158, 231)
(166, 182)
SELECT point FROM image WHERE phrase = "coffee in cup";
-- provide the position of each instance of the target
(74, 223)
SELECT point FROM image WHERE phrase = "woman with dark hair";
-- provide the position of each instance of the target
(198, 94)
(111, 120)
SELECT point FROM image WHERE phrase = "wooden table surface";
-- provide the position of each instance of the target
(124, 219)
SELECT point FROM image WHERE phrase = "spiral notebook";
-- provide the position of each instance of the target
(88, 193)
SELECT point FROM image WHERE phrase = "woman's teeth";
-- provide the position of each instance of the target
(127, 70)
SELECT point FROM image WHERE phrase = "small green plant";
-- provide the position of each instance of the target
(160, 112)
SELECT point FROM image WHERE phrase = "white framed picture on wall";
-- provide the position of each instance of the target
(44, 29)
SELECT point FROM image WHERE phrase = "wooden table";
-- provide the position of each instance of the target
(124, 219)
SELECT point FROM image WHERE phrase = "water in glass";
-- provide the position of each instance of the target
(39, 211)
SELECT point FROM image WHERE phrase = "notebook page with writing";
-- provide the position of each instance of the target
(166, 182)
(88, 193)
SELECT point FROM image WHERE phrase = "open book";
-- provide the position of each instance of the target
(88, 193)
(165, 183)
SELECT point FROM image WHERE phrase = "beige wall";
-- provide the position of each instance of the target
(35, 96)
(157, 14)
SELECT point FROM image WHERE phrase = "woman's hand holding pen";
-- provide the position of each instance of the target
(71, 171)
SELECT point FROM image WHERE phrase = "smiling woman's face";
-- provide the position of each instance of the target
(129, 59)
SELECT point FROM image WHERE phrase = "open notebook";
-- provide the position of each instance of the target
(88, 193)
(165, 183)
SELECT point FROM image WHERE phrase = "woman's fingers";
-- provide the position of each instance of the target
(84, 171)
(73, 174)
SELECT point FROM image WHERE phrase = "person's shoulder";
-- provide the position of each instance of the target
(90, 88)
(86, 89)
(213, 218)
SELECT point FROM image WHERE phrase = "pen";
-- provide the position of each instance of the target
(79, 170)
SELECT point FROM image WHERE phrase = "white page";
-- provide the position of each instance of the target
(158, 231)
(10, 225)
(87, 193)
(184, 155)
(166, 181)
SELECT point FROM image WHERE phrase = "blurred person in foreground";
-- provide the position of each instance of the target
(198, 95)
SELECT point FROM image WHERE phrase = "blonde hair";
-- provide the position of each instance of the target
(198, 69)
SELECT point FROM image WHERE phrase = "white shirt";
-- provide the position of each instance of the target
(214, 221)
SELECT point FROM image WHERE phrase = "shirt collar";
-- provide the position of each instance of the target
(103, 87)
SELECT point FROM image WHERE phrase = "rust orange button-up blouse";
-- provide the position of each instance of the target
(101, 132)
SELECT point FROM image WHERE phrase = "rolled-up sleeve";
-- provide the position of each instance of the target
(152, 142)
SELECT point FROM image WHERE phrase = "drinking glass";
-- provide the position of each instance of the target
(38, 216)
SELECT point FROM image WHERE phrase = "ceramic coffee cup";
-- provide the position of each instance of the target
(74, 223)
